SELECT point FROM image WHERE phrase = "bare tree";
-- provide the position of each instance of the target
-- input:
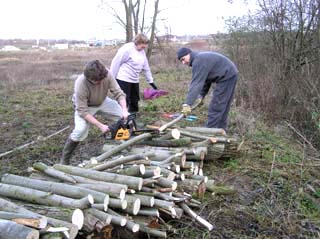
(133, 18)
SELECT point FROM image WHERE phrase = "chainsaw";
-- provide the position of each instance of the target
(124, 129)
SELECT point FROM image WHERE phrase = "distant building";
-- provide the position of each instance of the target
(10, 48)
(60, 46)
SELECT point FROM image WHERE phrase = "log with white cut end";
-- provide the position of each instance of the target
(64, 214)
(117, 203)
(72, 191)
(53, 173)
(134, 205)
(152, 171)
(104, 217)
(199, 219)
(122, 160)
(12, 207)
(40, 197)
(106, 188)
(166, 183)
(147, 201)
(192, 186)
(135, 170)
(123, 146)
(9, 229)
(132, 182)
(20, 218)
(130, 225)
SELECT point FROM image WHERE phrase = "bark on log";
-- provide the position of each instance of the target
(130, 225)
(63, 214)
(134, 205)
(40, 197)
(20, 218)
(199, 219)
(135, 170)
(53, 173)
(123, 146)
(92, 223)
(153, 212)
(111, 189)
(9, 229)
(147, 201)
(12, 207)
(122, 160)
(166, 183)
(182, 142)
(117, 203)
(132, 182)
(208, 131)
(71, 191)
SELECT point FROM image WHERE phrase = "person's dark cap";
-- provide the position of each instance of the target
(182, 52)
(95, 71)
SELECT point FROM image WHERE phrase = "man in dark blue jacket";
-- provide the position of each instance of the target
(208, 68)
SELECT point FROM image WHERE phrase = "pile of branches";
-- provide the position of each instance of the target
(136, 184)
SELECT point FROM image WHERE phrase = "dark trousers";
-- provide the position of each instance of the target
(220, 104)
(132, 92)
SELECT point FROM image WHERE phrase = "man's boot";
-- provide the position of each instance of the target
(68, 149)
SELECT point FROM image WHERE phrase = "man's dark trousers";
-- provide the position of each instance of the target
(220, 104)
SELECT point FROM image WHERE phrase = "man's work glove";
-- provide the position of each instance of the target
(186, 109)
(199, 101)
(153, 86)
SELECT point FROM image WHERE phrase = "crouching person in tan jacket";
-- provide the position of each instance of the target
(90, 98)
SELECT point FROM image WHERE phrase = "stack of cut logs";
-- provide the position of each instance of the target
(137, 184)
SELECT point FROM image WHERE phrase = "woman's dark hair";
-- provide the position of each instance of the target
(95, 71)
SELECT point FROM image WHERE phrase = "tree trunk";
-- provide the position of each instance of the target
(40, 197)
(121, 160)
(8, 206)
(20, 218)
(132, 182)
(153, 28)
(53, 173)
(66, 190)
(122, 146)
(9, 229)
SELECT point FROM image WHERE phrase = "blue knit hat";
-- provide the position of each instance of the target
(182, 52)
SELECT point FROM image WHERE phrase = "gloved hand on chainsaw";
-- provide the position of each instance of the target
(186, 109)
(153, 86)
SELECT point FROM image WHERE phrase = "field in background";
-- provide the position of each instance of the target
(277, 185)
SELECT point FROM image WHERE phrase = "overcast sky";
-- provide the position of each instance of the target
(83, 19)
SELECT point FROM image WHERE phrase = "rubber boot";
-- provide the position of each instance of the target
(68, 149)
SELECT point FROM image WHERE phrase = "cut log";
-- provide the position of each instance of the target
(117, 203)
(134, 205)
(130, 225)
(106, 188)
(123, 146)
(9, 229)
(147, 201)
(182, 142)
(104, 217)
(132, 182)
(192, 186)
(199, 219)
(122, 160)
(207, 131)
(20, 218)
(135, 170)
(153, 212)
(53, 173)
(40, 197)
(12, 207)
(166, 183)
(71, 191)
